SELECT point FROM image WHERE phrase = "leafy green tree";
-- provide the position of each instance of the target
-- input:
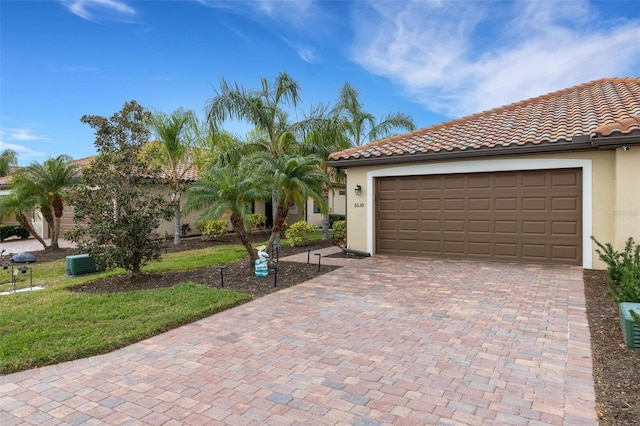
(50, 183)
(19, 205)
(118, 210)
(224, 189)
(8, 160)
(173, 152)
(361, 126)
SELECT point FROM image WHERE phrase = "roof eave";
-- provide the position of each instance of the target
(577, 144)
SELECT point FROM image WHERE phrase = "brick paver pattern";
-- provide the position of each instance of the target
(381, 341)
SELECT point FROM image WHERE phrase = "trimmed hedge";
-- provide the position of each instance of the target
(7, 231)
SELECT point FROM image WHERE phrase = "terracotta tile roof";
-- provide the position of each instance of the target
(597, 108)
(187, 170)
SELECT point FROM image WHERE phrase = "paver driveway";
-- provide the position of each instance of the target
(381, 341)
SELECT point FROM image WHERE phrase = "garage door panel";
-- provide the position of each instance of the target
(454, 248)
(454, 204)
(408, 205)
(506, 204)
(537, 204)
(530, 181)
(509, 250)
(506, 180)
(506, 227)
(479, 226)
(454, 225)
(480, 204)
(565, 252)
(408, 225)
(534, 227)
(564, 204)
(479, 181)
(523, 215)
(480, 249)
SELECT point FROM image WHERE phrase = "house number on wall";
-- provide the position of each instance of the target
(358, 205)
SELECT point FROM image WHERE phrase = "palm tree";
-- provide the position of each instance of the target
(50, 183)
(273, 135)
(173, 152)
(8, 160)
(228, 189)
(294, 178)
(19, 204)
(360, 126)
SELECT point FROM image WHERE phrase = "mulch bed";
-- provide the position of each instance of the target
(616, 368)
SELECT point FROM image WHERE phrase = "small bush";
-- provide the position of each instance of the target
(298, 233)
(339, 229)
(333, 218)
(7, 231)
(258, 220)
(212, 229)
(623, 270)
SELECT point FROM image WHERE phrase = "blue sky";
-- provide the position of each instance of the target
(435, 60)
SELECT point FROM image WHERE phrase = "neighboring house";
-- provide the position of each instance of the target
(528, 182)
(336, 204)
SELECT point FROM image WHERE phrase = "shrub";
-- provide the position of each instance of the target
(7, 231)
(333, 218)
(339, 229)
(258, 220)
(212, 229)
(298, 233)
(623, 270)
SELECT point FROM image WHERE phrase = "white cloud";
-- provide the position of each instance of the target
(98, 10)
(458, 58)
(23, 135)
(305, 52)
(291, 13)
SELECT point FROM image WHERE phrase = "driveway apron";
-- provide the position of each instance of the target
(384, 340)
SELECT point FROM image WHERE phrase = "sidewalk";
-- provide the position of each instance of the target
(17, 245)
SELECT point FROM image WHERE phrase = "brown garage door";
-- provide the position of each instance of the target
(533, 216)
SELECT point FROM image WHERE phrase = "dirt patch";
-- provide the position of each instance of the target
(616, 368)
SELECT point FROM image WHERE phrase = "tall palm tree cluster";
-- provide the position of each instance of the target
(43, 187)
(282, 159)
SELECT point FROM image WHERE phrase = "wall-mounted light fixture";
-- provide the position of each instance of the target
(358, 190)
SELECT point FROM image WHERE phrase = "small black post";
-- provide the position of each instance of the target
(277, 253)
(319, 257)
(308, 250)
(222, 268)
(274, 268)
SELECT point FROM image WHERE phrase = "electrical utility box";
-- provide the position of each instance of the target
(80, 264)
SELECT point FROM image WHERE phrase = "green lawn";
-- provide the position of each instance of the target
(55, 325)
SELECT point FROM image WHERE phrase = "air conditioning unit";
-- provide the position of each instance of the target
(630, 330)
(80, 264)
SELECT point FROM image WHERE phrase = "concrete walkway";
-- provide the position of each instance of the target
(395, 341)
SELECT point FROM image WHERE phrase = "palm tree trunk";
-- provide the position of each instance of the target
(177, 224)
(48, 217)
(278, 221)
(24, 222)
(241, 232)
(325, 217)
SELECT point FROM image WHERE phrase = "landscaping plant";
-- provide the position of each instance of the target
(623, 272)
(298, 233)
(118, 212)
(212, 229)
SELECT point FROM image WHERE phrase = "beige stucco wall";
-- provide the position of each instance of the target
(336, 206)
(611, 192)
